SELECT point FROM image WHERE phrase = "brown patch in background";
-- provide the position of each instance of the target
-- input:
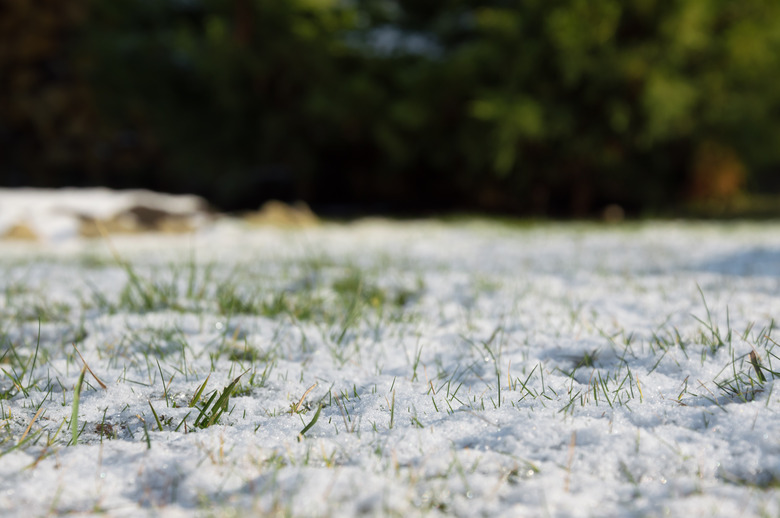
(20, 232)
(717, 173)
(281, 214)
(136, 220)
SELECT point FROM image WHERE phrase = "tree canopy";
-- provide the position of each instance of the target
(515, 106)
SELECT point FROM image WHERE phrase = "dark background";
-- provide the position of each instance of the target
(532, 107)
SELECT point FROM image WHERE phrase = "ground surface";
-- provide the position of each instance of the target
(394, 369)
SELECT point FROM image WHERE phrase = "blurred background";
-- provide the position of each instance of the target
(526, 107)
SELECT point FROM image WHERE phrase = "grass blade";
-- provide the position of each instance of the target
(756, 363)
(199, 392)
(86, 366)
(311, 423)
(74, 416)
(157, 419)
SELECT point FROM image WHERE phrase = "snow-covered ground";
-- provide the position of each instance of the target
(459, 369)
(59, 215)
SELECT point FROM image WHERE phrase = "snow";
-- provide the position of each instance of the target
(621, 353)
(56, 214)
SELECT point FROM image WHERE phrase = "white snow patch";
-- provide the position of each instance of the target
(55, 214)
(461, 370)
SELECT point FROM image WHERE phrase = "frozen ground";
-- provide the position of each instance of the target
(469, 369)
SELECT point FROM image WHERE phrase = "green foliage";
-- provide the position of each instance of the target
(532, 106)
(226, 87)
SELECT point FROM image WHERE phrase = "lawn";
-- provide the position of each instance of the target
(378, 368)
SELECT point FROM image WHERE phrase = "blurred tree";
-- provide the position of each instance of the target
(231, 89)
(45, 107)
(519, 106)
(585, 103)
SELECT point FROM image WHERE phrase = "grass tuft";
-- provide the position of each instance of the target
(216, 405)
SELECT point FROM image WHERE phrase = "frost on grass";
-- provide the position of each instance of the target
(394, 369)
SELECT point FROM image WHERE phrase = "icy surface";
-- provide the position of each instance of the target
(468, 369)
